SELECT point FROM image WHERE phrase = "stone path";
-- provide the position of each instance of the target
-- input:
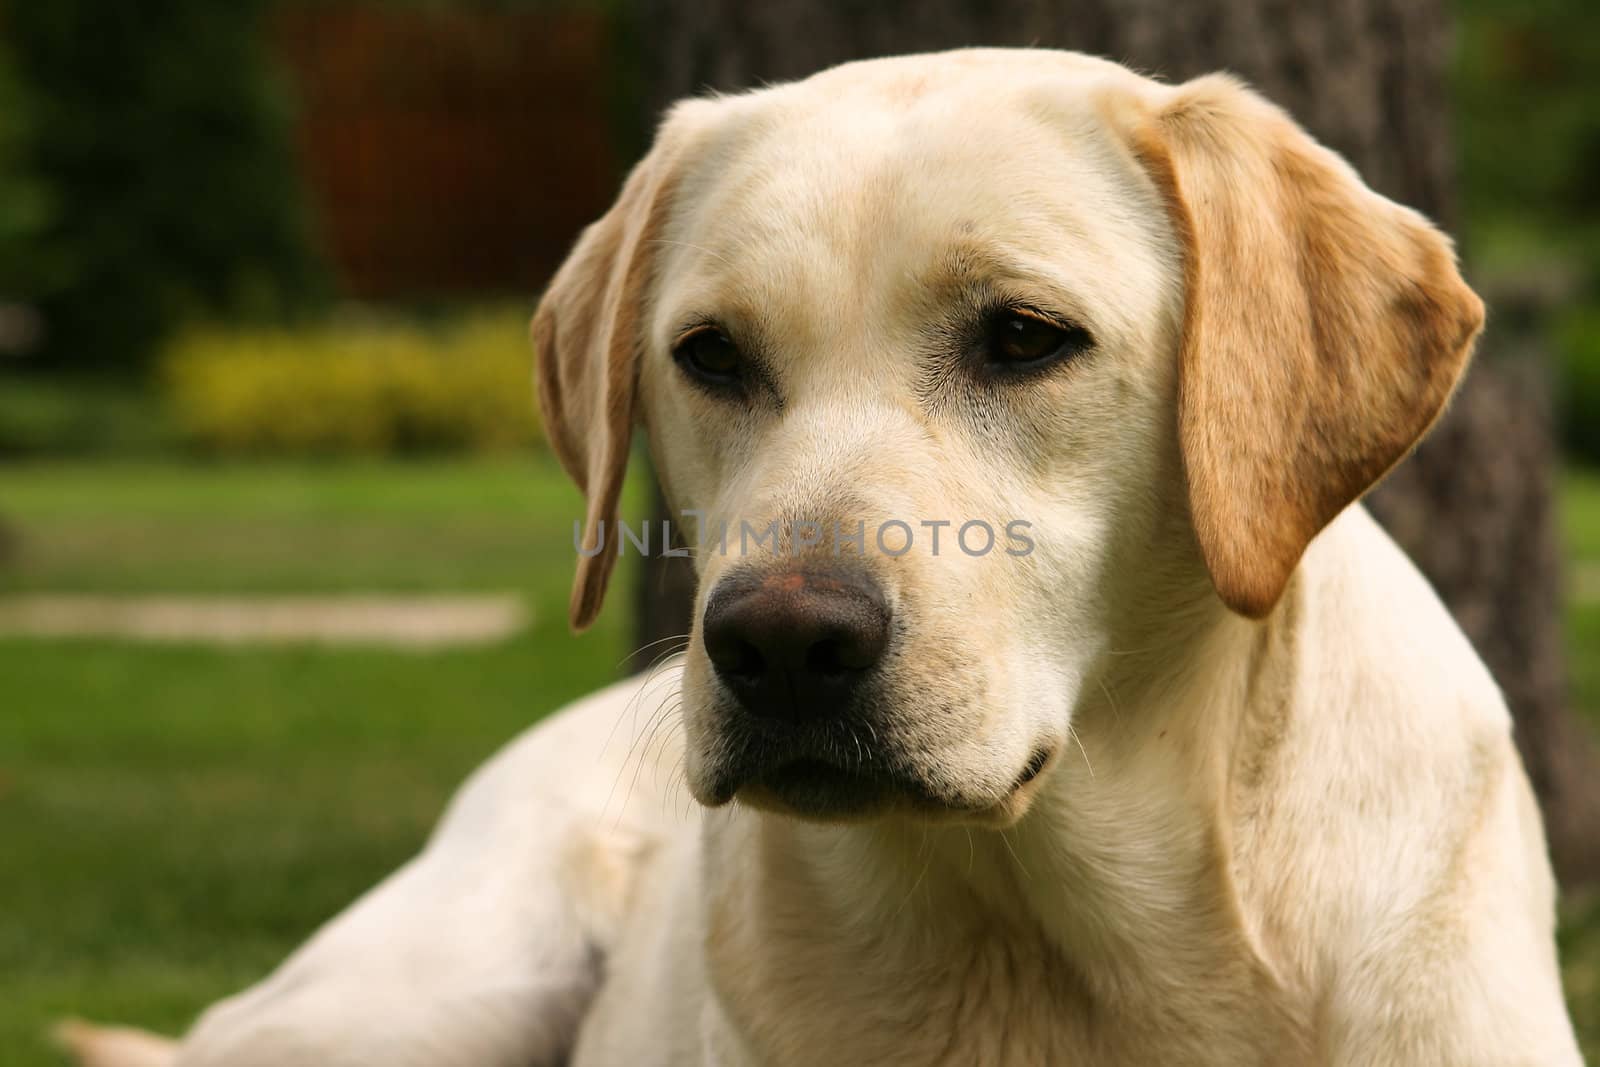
(418, 622)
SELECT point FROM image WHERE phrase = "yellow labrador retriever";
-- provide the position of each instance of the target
(1163, 755)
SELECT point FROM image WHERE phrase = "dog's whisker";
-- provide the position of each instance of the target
(1006, 841)
(915, 885)
(1116, 712)
(622, 769)
(684, 637)
(1072, 733)
(660, 670)
(657, 722)
(677, 788)
(635, 701)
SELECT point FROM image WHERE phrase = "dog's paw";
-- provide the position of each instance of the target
(113, 1046)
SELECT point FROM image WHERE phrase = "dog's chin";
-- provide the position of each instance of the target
(817, 790)
(821, 791)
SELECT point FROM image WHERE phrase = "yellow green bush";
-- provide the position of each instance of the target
(355, 387)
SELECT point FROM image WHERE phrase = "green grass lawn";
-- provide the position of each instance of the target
(175, 818)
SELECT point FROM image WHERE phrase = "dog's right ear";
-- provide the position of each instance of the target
(587, 337)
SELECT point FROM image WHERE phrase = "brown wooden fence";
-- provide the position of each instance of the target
(450, 152)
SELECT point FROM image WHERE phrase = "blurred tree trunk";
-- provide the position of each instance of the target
(1474, 507)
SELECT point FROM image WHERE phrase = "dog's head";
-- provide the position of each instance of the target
(971, 365)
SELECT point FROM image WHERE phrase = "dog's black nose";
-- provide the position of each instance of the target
(793, 644)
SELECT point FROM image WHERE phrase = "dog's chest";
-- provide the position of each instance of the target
(995, 999)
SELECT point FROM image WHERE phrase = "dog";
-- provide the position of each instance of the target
(1187, 766)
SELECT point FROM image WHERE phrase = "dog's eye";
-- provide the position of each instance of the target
(708, 354)
(1020, 340)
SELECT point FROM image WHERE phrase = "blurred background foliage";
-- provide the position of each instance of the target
(162, 165)
(357, 385)
(1527, 120)
(157, 136)
(24, 199)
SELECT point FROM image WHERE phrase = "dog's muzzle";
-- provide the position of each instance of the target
(798, 651)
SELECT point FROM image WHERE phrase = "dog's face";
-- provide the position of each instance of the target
(967, 365)
(941, 308)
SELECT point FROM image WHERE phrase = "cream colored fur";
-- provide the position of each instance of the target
(1283, 821)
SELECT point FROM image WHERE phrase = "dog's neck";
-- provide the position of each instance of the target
(1124, 863)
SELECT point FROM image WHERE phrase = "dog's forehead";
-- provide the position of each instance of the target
(862, 181)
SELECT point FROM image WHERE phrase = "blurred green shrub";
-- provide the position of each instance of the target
(1578, 384)
(24, 201)
(46, 416)
(355, 388)
(1528, 127)
(157, 134)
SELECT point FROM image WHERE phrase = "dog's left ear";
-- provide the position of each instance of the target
(587, 337)
(1324, 328)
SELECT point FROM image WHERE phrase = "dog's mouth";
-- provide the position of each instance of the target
(818, 789)
(1036, 764)
(823, 790)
